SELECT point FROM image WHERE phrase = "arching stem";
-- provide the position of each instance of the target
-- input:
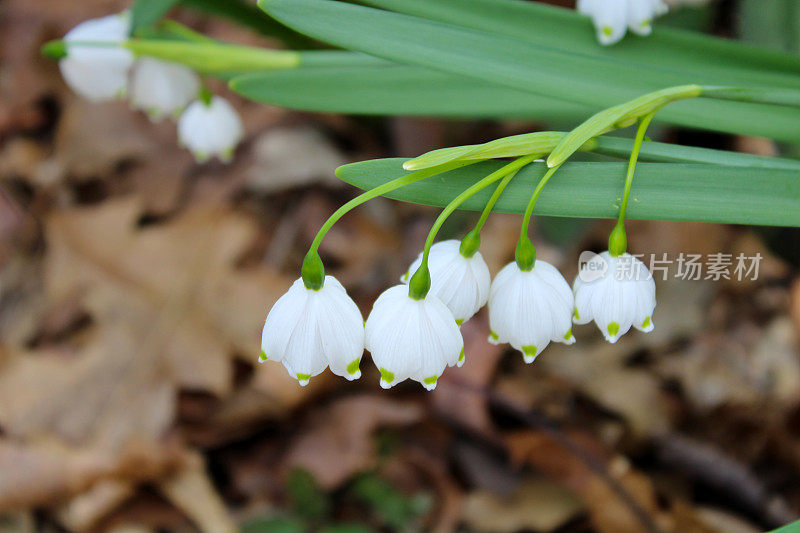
(420, 281)
(525, 254)
(313, 272)
(618, 240)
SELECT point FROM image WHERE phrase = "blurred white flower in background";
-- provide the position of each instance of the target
(98, 73)
(162, 88)
(612, 18)
(210, 129)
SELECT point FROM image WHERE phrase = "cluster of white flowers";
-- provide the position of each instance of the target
(418, 339)
(100, 71)
(612, 18)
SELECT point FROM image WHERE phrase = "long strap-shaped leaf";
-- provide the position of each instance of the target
(592, 81)
(399, 90)
(662, 191)
(565, 29)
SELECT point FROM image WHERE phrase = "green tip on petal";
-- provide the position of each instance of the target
(613, 329)
(459, 321)
(647, 322)
(461, 356)
(263, 357)
(568, 335)
(576, 315)
(431, 380)
(607, 31)
(529, 350)
(646, 23)
(386, 376)
(494, 335)
(303, 379)
(352, 368)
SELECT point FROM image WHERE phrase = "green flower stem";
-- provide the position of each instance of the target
(495, 197)
(313, 271)
(420, 281)
(618, 241)
(526, 220)
(525, 254)
(203, 56)
(472, 240)
(211, 57)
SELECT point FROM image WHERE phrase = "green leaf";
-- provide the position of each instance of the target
(308, 499)
(794, 527)
(545, 141)
(595, 81)
(145, 13)
(396, 90)
(246, 14)
(656, 152)
(274, 525)
(346, 528)
(568, 30)
(661, 191)
(392, 507)
(774, 24)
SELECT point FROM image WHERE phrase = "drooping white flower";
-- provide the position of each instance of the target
(414, 339)
(161, 87)
(530, 309)
(98, 73)
(613, 17)
(212, 129)
(462, 283)
(615, 292)
(308, 330)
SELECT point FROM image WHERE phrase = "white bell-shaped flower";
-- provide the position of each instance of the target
(615, 292)
(530, 309)
(210, 129)
(462, 283)
(613, 17)
(98, 73)
(308, 330)
(162, 88)
(414, 339)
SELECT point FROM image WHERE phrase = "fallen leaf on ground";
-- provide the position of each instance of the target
(191, 490)
(535, 505)
(609, 513)
(338, 442)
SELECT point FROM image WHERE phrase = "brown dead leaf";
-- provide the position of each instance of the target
(184, 269)
(740, 367)
(609, 513)
(598, 370)
(43, 471)
(456, 395)
(169, 310)
(338, 441)
(191, 490)
(84, 511)
(536, 505)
